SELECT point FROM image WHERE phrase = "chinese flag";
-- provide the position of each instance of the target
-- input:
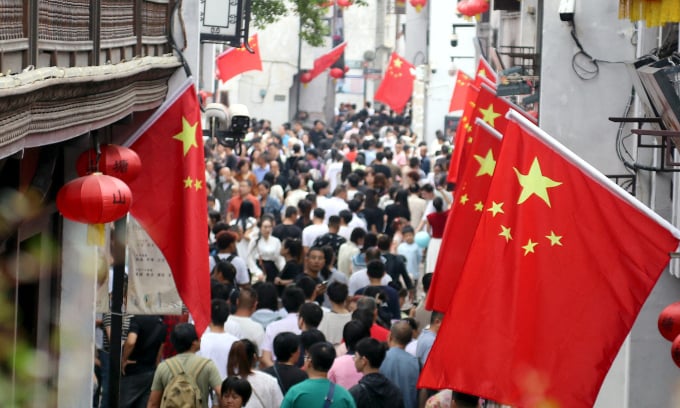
(169, 196)
(558, 270)
(465, 214)
(326, 60)
(236, 61)
(485, 74)
(459, 96)
(397, 86)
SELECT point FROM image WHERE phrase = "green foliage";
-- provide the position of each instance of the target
(312, 16)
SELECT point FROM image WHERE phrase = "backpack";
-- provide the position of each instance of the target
(182, 391)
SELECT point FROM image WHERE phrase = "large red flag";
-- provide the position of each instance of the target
(465, 214)
(560, 265)
(397, 86)
(326, 60)
(459, 96)
(169, 196)
(236, 61)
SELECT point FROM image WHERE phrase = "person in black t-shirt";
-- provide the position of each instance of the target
(291, 250)
(287, 228)
(331, 238)
(141, 352)
(287, 351)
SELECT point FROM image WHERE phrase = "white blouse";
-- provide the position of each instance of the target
(267, 249)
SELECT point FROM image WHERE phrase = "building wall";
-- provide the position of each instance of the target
(575, 111)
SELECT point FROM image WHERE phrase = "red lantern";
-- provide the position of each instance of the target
(478, 7)
(464, 8)
(326, 4)
(669, 321)
(675, 351)
(337, 73)
(94, 199)
(346, 69)
(344, 3)
(306, 78)
(116, 161)
(418, 4)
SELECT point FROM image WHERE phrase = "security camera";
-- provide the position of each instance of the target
(454, 40)
(240, 119)
(566, 10)
(218, 118)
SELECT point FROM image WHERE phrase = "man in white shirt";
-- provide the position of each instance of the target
(336, 203)
(292, 298)
(316, 229)
(226, 247)
(241, 322)
(216, 342)
(295, 194)
(359, 278)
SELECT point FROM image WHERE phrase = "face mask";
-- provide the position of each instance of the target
(222, 179)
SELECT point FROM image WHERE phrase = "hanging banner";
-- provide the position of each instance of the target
(151, 288)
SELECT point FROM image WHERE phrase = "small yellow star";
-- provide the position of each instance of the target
(470, 139)
(505, 233)
(468, 128)
(198, 184)
(464, 199)
(535, 183)
(397, 62)
(479, 206)
(188, 182)
(529, 247)
(482, 72)
(487, 164)
(496, 208)
(489, 115)
(554, 239)
(187, 136)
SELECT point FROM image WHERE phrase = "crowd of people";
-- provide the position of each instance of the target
(323, 242)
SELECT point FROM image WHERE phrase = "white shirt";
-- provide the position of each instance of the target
(294, 197)
(333, 206)
(266, 391)
(345, 231)
(248, 328)
(268, 249)
(359, 279)
(332, 326)
(216, 346)
(333, 174)
(357, 222)
(312, 232)
(242, 276)
(345, 254)
(287, 324)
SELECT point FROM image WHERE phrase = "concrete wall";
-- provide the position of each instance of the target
(575, 111)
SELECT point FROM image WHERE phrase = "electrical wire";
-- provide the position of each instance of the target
(584, 65)
(171, 39)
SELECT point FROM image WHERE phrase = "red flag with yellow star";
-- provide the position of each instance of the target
(465, 214)
(485, 74)
(236, 61)
(397, 86)
(482, 103)
(560, 265)
(459, 96)
(170, 196)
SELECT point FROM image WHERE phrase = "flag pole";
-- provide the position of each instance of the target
(539, 133)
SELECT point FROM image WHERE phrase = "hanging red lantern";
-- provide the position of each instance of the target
(327, 4)
(116, 161)
(94, 199)
(463, 8)
(675, 351)
(477, 7)
(337, 73)
(418, 4)
(669, 321)
(344, 3)
(346, 69)
(306, 77)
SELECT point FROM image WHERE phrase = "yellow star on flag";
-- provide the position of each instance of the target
(489, 115)
(535, 183)
(188, 182)
(554, 239)
(464, 199)
(397, 63)
(198, 184)
(496, 208)
(529, 247)
(468, 128)
(479, 206)
(187, 136)
(482, 73)
(505, 233)
(470, 139)
(487, 164)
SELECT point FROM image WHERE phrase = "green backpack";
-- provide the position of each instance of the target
(182, 391)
